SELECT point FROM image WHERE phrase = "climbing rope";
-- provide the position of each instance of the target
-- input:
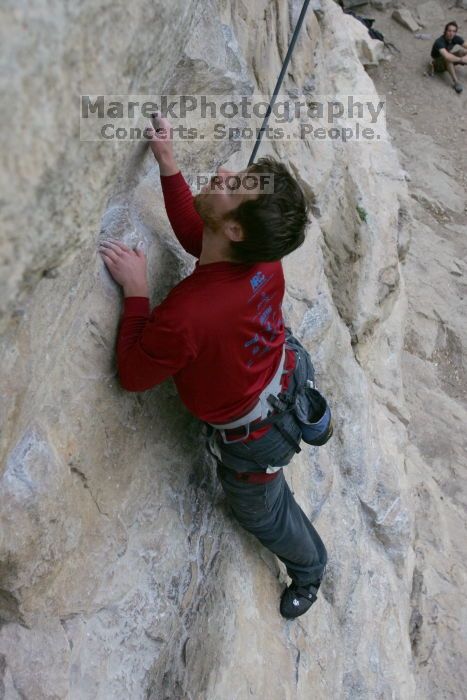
(279, 80)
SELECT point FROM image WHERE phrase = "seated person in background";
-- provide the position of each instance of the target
(447, 51)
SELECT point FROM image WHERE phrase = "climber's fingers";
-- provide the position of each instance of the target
(110, 258)
(126, 266)
(160, 136)
(150, 134)
(115, 246)
(161, 127)
(110, 255)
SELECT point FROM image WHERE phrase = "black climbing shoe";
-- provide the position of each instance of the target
(296, 600)
(458, 87)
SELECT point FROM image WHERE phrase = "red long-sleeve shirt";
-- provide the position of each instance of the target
(219, 332)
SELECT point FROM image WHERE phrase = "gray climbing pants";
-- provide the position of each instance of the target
(269, 511)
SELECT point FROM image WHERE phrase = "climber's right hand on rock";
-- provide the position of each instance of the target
(159, 135)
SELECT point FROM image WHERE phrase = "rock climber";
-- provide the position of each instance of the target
(449, 50)
(221, 335)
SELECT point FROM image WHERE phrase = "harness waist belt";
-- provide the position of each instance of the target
(262, 407)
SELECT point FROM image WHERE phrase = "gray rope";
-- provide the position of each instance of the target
(279, 80)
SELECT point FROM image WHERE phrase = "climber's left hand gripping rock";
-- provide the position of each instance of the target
(127, 267)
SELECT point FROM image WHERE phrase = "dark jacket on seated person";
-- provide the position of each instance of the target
(441, 43)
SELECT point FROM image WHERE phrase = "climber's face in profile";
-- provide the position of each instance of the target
(224, 193)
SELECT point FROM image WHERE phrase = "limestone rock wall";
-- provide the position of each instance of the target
(122, 573)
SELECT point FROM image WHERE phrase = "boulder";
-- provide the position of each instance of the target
(405, 18)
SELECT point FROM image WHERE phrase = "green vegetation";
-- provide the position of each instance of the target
(362, 213)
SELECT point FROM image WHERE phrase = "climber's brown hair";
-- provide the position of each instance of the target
(274, 223)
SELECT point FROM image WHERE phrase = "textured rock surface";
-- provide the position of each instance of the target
(433, 361)
(122, 573)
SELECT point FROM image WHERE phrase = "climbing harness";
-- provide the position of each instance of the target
(307, 405)
(259, 410)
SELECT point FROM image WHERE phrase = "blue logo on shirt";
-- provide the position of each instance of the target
(257, 280)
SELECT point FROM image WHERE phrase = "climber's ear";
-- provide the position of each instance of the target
(233, 230)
